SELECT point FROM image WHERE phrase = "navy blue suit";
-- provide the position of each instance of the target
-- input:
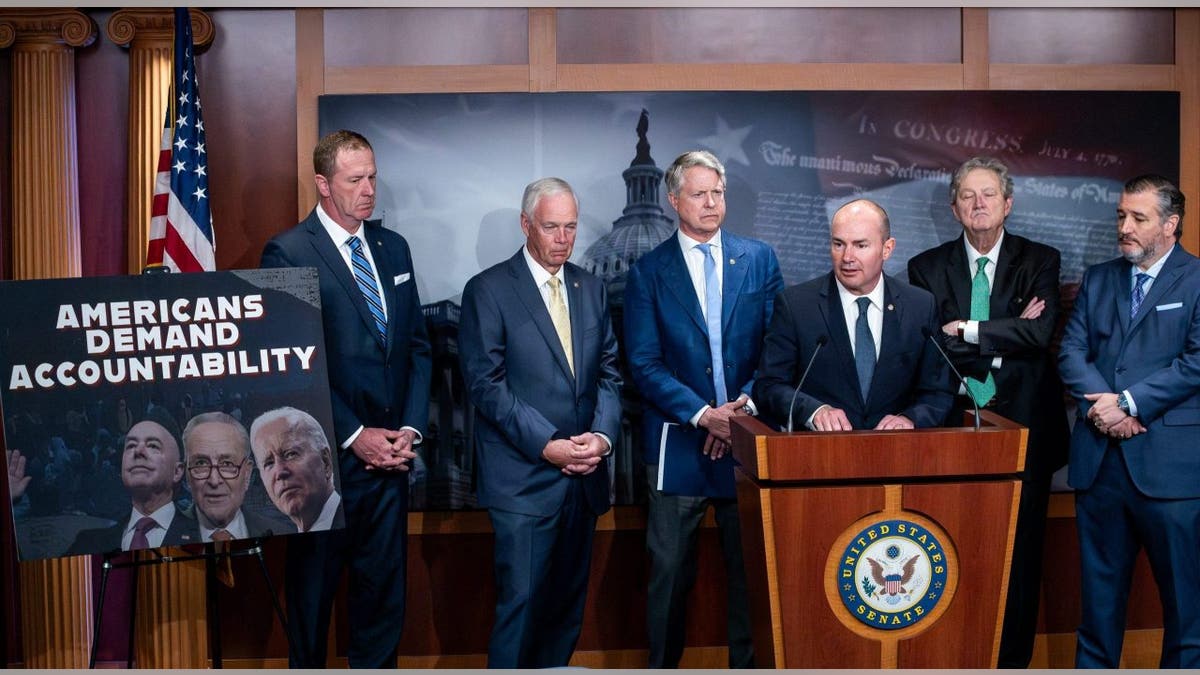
(666, 340)
(1144, 490)
(525, 395)
(373, 383)
(910, 379)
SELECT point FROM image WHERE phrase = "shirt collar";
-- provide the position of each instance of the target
(848, 298)
(973, 255)
(336, 232)
(163, 515)
(1155, 269)
(325, 520)
(540, 274)
(687, 243)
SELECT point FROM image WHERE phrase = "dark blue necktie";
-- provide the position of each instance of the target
(864, 347)
(712, 310)
(365, 276)
(1139, 294)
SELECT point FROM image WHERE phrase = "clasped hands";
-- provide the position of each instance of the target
(716, 421)
(578, 455)
(1110, 419)
(385, 449)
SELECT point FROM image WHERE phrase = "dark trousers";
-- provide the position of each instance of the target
(541, 568)
(373, 546)
(672, 530)
(1115, 521)
(1025, 575)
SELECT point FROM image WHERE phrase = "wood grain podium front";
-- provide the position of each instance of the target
(878, 549)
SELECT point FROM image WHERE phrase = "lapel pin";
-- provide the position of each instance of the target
(891, 307)
(732, 261)
(576, 284)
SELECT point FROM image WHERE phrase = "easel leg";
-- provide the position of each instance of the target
(133, 584)
(104, 570)
(213, 604)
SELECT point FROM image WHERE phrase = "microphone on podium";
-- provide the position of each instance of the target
(821, 341)
(961, 380)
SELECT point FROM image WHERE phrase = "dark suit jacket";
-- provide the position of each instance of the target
(183, 530)
(524, 394)
(911, 379)
(666, 337)
(1156, 356)
(1028, 390)
(372, 383)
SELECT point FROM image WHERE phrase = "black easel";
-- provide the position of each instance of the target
(156, 557)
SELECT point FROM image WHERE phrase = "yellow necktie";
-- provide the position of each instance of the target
(562, 320)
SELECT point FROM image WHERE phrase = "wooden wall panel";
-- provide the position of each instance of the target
(248, 87)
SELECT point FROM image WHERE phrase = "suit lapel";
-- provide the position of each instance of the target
(1168, 276)
(890, 340)
(1006, 269)
(336, 264)
(835, 324)
(1124, 286)
(958, 278)
(576, 308)
(735, 272)
(531, 297)
(675, 277)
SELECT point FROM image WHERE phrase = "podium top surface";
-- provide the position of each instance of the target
(996, 449)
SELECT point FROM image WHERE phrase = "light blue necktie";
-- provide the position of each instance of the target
(864, 347)
(365, 276)
(712, 309)
(1139, 293)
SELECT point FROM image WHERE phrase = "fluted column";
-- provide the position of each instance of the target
(45, 182)
(172, 620)
(56, 612)
(56, 595)
(149, 35)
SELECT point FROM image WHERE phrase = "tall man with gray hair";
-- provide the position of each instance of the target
(997, 299)
(696, 309)
(539, 358)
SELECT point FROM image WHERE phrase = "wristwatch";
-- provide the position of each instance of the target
(962, 330)
(1123, 402)
(747, 409)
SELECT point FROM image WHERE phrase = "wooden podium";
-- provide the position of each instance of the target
(878, 549)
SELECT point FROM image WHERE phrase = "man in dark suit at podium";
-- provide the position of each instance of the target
(539, 358)
(997, 296)
(878, 368)
(379, 373)
(151, 470)
(1131, 358)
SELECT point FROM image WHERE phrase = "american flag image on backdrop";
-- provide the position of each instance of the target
(181, 232)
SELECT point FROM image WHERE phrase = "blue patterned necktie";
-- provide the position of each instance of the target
(864, 347)
(981, 310)
(1139, 293)
(712, 310)
(365, 276)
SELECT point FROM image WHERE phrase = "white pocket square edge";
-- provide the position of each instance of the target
(1171, 305)
(401, 278)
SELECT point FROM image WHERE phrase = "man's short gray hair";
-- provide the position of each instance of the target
(689, 159)
(216, 418)
(545, 187)
(991, 164)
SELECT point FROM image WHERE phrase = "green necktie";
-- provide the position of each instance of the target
(980, 311)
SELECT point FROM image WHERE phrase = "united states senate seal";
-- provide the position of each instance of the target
(893, 573)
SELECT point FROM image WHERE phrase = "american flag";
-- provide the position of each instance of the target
(181, 232)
